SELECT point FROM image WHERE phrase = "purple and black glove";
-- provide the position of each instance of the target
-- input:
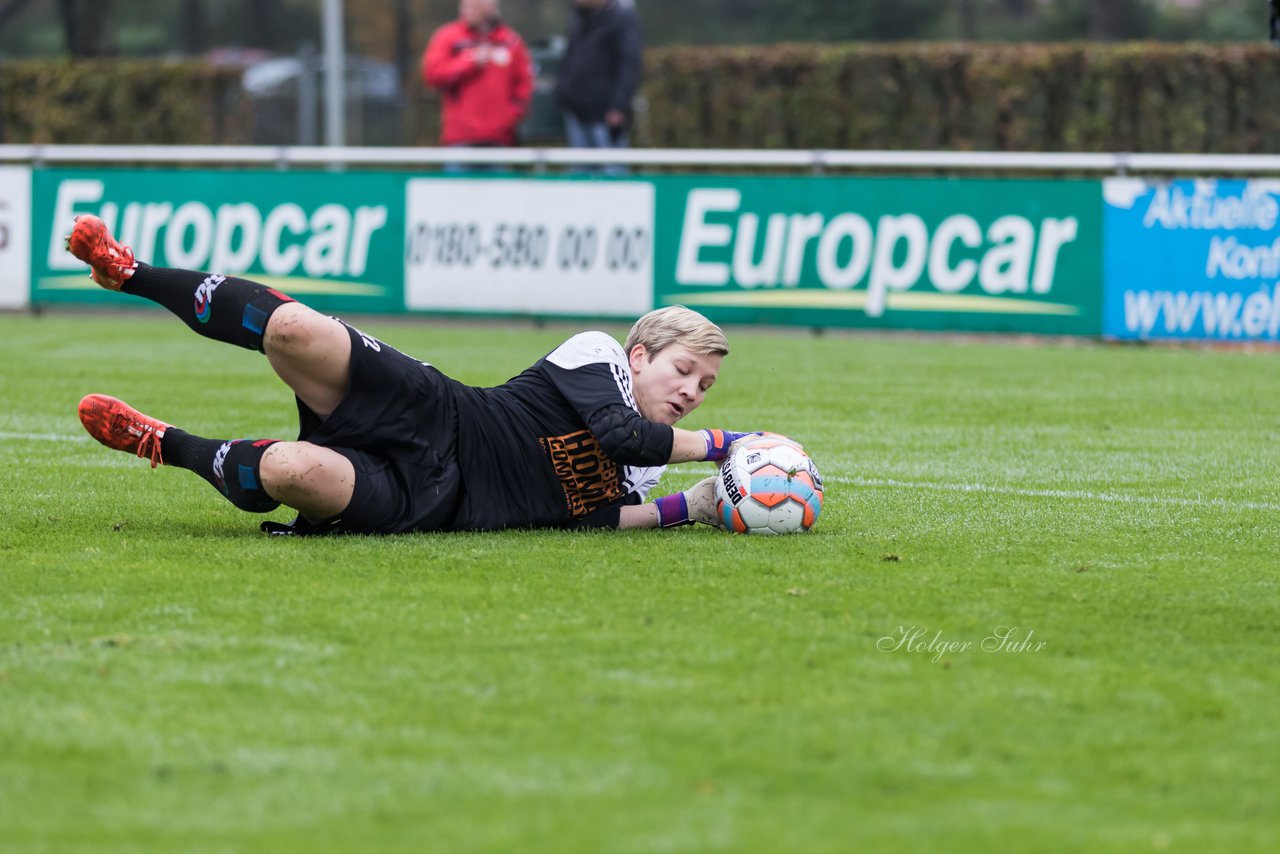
(697, 504)
(718, 442)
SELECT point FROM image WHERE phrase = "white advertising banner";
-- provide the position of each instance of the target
(15, 236)
(559, 247)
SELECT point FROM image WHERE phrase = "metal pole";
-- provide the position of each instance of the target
(968, 21)
(335, 75)
(308, 102)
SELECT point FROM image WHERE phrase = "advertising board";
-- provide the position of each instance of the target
(333, 239)
(919, 253)
(1192, 259)
(545, 247)
(15, 236)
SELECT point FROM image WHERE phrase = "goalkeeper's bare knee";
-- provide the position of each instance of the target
(317, 482)
(296, 330)
(311, 353)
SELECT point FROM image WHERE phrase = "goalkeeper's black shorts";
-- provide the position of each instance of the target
(398, 426)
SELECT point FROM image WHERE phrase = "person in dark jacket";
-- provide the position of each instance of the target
(600, 73)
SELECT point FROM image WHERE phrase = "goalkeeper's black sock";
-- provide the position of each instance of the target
(225, 309)
(232, 467)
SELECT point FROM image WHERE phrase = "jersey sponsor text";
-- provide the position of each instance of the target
(588, 477)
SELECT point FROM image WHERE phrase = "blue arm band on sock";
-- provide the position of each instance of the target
(673, 510)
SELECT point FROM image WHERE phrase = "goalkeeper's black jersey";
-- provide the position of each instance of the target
(541, 449)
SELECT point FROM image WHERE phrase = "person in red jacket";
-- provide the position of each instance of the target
(484, 74)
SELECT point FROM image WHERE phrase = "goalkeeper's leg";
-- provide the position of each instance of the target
(254, 475)
(309, 351)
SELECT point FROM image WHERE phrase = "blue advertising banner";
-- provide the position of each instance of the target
(1192, 259)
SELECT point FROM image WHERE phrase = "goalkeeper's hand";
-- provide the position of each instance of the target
(718, 442)
(697, 504)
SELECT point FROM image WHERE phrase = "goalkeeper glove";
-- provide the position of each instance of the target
(718, 442)
(697, 504)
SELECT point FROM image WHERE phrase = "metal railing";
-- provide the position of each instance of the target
(541, 159)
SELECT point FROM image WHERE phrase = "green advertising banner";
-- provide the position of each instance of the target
(903, 253)
(335, 240)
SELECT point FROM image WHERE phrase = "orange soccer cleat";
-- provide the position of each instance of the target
(118, 425)
(91, 241)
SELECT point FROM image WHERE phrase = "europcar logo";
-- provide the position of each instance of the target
(321, 246)
(990, 260)
(204, 297)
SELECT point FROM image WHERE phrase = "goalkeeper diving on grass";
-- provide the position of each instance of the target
(388, 444)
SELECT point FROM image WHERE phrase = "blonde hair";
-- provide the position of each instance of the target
(676, 324)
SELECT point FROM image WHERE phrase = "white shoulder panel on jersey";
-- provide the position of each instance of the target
(588, 348)
(641, 480)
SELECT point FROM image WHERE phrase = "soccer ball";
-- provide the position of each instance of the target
(768, 485)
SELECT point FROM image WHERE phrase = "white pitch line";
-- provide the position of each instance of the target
(1068, 494)
(42, 437)
(1072, 494)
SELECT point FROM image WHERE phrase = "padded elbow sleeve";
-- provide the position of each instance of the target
(629, 439)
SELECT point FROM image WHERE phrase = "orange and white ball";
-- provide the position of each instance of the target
(768, 485)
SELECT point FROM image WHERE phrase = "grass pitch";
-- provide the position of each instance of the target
(1039, 612)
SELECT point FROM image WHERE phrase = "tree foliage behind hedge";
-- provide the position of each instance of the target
(1085, 97)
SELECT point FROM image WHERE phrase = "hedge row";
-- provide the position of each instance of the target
(1129, 97)
(121, 102)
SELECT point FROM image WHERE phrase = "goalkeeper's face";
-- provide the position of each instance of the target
(671, 383)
